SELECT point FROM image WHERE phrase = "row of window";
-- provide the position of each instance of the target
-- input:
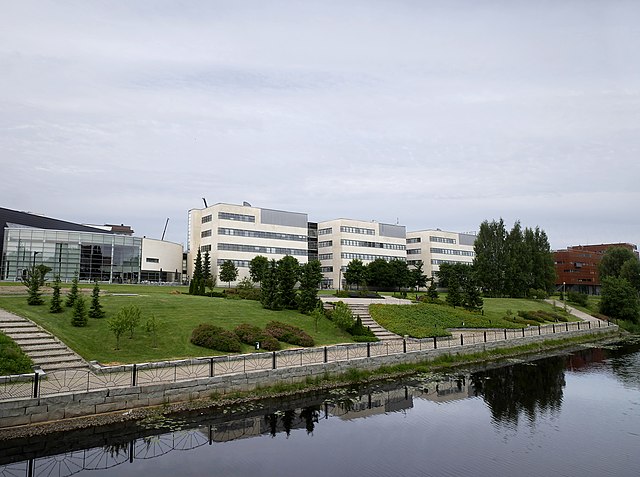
(326, 269)
(325, 256)
(260, 249)
(326, 243)
(261, 234)
(326, 231)
(436, 261)
(237, 217)
(414, 251)
(205, 233)
(367, 256)
(206, 218)
(449, 251)
(414, 240)
(362, 243)
(237, 263)
(205, 248)
(356, 230)
(434, 238)
(152, 260)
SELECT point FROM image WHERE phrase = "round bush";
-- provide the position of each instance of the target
(249, 334)
(269, 343)
(214, 337)
(289, 334)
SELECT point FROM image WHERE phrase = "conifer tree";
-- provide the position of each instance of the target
(56, 300)
(196, 286)
(96, 311)
(79, 314)
(287, 277)
(73, 294)
(310, 278)
(269, 296)
(32, 282)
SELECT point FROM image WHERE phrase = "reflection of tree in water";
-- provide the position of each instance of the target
(527, 388)
(310, 416)
(625, 363)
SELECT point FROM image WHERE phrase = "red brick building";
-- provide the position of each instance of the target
(577, 266)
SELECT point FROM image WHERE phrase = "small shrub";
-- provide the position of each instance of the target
(79, 314)
(249, 334)
(538, 294)
(269, 343)
(214, 337)
(343, 317)
(365, 338)
(289, 334)
(217, 294)
(578, 298)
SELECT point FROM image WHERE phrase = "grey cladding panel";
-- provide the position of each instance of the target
(466, 239)
(397, 231)
(279, 217)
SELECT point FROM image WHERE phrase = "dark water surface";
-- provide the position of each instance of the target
(573, 415)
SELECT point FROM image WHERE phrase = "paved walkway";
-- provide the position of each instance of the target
(574, 311)
(46, 351)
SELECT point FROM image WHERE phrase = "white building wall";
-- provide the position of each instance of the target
(239, 233)
(434, 247)
(342, 240)
(160, 255)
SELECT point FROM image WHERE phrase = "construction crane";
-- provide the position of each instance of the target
(165, 228)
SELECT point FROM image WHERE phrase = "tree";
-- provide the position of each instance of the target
(432, 292)
(32, 282)
(342, 316)
(379, 274)
(258, 268)
(73, 294)
(619, 299)
(228, 272)
(417, 278)
(355, 273)
(310, 279)
(490, 257)
(471, 297)
(287, 277)
(79, 314)
(95, 310)
(196, 286)
(630, 271)
(517, 264)
(613, 260)
(151, 327)
(399, 274)
(269, 296)
(118, 325)
(43, 269)
(56, 301)
(454, 297)
(206, 270)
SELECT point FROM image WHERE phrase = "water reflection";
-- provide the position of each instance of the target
(513, 393)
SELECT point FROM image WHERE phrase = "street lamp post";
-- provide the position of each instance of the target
(564, 294)
(34, 258)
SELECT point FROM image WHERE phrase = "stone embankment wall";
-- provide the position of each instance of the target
(70, 405)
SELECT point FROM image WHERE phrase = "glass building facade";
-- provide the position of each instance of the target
(92, 256)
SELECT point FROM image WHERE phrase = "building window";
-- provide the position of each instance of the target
(205, 233)
(261, 234)
(369, 257)
(357, 230)
(205, 248)
(414, 251)
(442, 239)
(362, 243)
(326, 231)
(260, 249)
(237, 263)
(326, 269)
(206, 218)
(414, 240)
(326, 243)
(435, 261)
(448, 251)
(237, 217)
(152, 260)
(325, 256)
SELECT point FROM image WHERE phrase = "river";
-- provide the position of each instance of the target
(574, 414)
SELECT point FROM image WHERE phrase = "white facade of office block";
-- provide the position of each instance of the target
(241, 232)
(434, 247)
(342, 240)
(161, 261)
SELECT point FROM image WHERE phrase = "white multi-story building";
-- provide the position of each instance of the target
(342, 240)
(435, 247)
(161, 261)
(241, 232)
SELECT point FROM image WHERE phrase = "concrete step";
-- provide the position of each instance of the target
(18, 337)
(45, 353)
(28, 348)
(50, 360)
(20, 329)
(64, 366)
(36, 341)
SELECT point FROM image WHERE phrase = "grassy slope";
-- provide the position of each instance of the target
(426, 320)
(177, 314)
(12, 359)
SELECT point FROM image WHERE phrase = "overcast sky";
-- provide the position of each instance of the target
(431, 114)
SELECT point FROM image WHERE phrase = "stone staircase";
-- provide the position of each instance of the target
(362, 310)
(43, 348)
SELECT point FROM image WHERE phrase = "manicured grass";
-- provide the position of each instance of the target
(178, 315)
(425, 319)
(12, 359)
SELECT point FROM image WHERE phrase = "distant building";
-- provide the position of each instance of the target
(67, 248)
(577, 266)
(434, 247)
(343, 240)
(241, 232)
(161, 261)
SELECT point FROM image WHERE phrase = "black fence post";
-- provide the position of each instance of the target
(273, 360)
(134, 373)
(368, 350)
(553, 325)
(566, 326)
(589, 323)
(578, 325)
(435, 342)
(539, 330)
(485, 336)
(211, 367)
(505, 333)
(523, 332)
(461, 339)
(36, 382)
(404, 345)
(325, 354)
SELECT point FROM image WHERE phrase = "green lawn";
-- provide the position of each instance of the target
(177, 314)
(426, 320)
